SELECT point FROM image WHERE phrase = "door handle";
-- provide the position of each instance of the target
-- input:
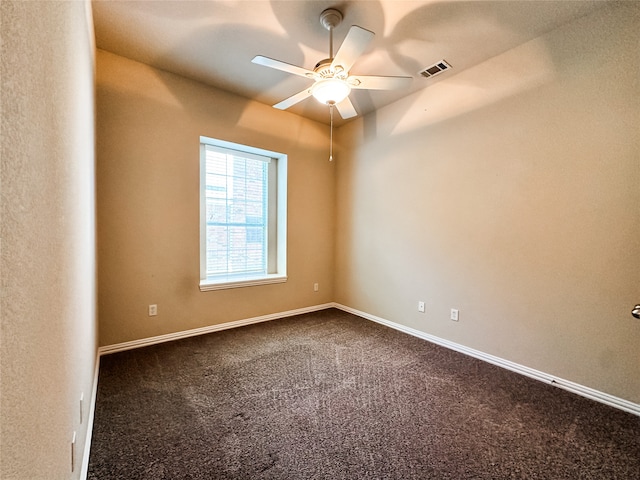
(636, 311)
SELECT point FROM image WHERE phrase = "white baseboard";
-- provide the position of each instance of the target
(581, 390)
(84, 471)
(587, 392)
(144, 342)
(573, 387)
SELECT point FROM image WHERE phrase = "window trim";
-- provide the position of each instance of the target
(277, 234)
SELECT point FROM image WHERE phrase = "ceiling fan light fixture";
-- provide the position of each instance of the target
(330, 91)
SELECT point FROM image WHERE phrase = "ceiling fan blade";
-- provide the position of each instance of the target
(354, 44)
(346, 109)
(285, 67)
(369, 82)
(292, 100)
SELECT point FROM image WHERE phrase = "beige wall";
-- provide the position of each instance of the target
(48, 337)
(148, 129)
(511, 192)
(508, 191)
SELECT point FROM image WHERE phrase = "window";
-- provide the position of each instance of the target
(243, 208)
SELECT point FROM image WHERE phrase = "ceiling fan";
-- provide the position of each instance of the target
(332, 80)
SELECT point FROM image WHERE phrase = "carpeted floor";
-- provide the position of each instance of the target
(329, 395)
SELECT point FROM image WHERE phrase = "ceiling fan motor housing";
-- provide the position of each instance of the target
(324, 70)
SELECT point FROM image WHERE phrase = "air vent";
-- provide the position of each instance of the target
(435, 69)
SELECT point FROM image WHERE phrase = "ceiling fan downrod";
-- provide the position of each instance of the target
(330, 19)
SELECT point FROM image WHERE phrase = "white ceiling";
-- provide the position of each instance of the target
(214, 41)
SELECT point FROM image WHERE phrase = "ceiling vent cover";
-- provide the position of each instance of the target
(435, 69)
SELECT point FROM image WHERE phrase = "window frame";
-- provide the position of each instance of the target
(277, 220)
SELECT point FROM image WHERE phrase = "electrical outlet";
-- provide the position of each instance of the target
(421, 307)
(153, 310)
(316, 287)
(454, 314)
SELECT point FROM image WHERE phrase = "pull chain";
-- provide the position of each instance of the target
(331, 133)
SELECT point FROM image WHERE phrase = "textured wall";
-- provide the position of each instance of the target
(48, 339)
(509, 191)
(148, 129)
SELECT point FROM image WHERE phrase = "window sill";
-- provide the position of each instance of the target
(238, 282)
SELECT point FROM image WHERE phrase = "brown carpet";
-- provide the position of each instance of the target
(329, 395)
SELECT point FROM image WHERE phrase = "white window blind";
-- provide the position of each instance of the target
(236, 212)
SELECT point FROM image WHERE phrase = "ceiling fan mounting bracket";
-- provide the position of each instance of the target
(330, 18)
